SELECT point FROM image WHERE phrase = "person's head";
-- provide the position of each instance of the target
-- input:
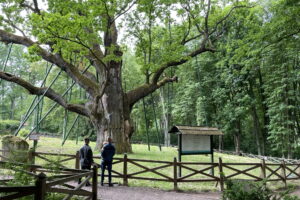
(109, 140)
(86, 140)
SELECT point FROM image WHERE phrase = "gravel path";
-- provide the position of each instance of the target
(138, 193)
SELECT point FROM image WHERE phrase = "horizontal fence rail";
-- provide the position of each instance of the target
(266, 158)
(167, 171)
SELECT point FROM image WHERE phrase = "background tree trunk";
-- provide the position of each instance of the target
(165, 119)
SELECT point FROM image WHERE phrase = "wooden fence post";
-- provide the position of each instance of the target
(40, 187)
(298, 165)
(175, 174)
(77, 160)
(31, 158)
(221, 174)
(125, 178)
(95, 182)
(263, 169)
(283, 173)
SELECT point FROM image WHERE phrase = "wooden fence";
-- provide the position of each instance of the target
(128, 169)
(153, 170)
(57, 183)
(266, 158)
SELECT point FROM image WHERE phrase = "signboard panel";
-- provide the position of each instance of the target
(196, 144)
(34, 137)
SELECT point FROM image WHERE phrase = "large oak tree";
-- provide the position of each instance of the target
(161, 30)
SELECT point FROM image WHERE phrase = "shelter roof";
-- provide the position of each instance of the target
(195, 130)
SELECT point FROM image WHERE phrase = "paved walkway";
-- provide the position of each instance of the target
(138, 193)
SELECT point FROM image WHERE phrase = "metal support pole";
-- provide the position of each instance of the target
(65, 124)
(68, 133)
(2, 83)
(212, 155)
(179, 153)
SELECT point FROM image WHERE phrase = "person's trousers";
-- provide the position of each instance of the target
(84, 167)
(108, 166)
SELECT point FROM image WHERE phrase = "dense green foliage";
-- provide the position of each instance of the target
(246, 190)
(249, 88)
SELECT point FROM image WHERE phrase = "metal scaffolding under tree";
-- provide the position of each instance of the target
(36, 107)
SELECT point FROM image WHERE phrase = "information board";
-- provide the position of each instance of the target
(196, 144)
(34, 137)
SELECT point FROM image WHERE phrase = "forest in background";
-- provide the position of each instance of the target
(249, 88)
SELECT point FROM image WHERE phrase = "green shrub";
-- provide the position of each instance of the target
(8, 126)
(249, 190)
(23, 132)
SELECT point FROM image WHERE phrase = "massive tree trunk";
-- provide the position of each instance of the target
(113, 115)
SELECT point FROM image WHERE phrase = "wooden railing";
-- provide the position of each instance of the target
(58, 183)
(260, 157)
(128, 169)
(201, 172)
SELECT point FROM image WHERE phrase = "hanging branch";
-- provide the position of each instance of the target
(89, 85)
(48, 92)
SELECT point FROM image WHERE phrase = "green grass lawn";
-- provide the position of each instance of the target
(53, 145)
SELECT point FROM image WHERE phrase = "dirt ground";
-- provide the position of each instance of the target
(138, 193)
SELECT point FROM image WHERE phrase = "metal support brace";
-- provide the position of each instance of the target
(55, 104)
(42, 96)
(68, 133)
(32, 103)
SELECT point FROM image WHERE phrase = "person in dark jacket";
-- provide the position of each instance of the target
(107, 154)
(86, 157)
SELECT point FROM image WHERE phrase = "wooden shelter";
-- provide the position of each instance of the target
(194, 140)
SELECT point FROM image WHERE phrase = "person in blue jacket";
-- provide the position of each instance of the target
(107, 154)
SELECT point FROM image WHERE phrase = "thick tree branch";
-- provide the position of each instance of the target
(34, 9)
(135, 95)
(282, 38)
(183, 41)
(48, 92)
(206, 17)
(194, 53)
(89, 85)
(226, 16)
(124, 10)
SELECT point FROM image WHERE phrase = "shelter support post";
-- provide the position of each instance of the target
(212, 155)
(179, 154)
